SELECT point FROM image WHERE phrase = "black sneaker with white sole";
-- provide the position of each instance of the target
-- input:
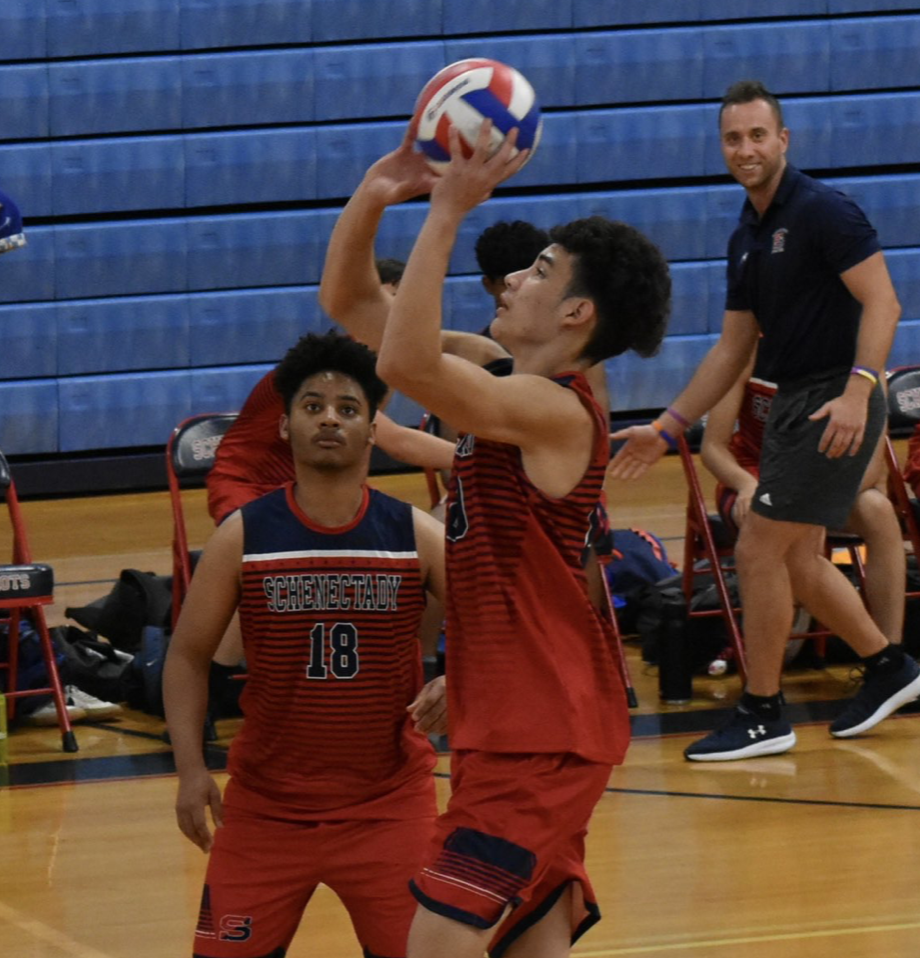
(744, 735)
(881, 694)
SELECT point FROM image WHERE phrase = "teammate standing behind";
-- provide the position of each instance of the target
(330, 782)
(805, 268)
(521, 629)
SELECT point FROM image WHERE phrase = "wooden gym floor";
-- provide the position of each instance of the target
(813, 853)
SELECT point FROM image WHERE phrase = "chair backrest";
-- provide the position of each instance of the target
(903, 399)
(193, 444)
(21, 551)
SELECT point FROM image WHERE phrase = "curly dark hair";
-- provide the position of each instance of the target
(747, 91)
(628, 280)
(505, 248)
(331, 352)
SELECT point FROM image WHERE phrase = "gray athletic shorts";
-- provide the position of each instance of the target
(798, 483)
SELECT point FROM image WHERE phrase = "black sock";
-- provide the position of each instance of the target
(888, 661)
(763, 706)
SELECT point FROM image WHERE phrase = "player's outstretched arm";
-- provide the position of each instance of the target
(350, 290)
(413, 446)
(211, 601)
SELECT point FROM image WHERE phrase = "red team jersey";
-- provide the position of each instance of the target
(252, 459)
(530, 662)
(330, 622)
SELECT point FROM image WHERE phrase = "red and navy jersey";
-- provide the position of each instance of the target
(530, 663)
(330, 621)
(252, 458)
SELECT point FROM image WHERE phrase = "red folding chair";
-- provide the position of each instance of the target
(903, 417)
(25, 588)
(709, 550)
(190, 454)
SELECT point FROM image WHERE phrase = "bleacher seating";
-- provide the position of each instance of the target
(180, 165)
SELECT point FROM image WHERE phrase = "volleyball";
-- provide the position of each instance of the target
(464, 94)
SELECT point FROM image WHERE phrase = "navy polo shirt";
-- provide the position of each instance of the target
(785, 268)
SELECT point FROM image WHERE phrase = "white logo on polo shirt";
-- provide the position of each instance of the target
(766, 500)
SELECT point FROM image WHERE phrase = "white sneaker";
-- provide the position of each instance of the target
(47, 714)
(95, 709)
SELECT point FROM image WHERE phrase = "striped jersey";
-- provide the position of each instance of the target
(530, 662)
(330, 621)
(252, 458)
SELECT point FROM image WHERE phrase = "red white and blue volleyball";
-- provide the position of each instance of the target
(467, 92)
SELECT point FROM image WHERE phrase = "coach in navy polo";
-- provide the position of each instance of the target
(808, 280)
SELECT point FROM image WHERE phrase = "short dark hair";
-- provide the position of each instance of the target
(747, 91)
(331, 352)
(627, 278)
(505, 248)
(390, 270)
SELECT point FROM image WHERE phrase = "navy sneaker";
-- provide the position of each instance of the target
(880, 695)
(744, 735)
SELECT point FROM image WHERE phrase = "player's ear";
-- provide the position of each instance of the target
(578, 310)
(372, 435)
(284, 427)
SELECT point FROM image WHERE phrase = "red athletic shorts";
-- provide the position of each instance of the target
(263, 871)
(513, 834)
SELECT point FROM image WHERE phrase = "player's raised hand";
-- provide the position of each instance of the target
(429, 710)
(469, 180)
(402, 174)
(643, 448)
(198, 791)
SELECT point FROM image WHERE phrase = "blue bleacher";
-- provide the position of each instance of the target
(120, 259)
(904, 266)
(247, 89)
(376, 80)
(122, 410)
(29, 424)
(873, 130)
(605, 13)
(642, 142)
(114, 96)
(93, 27)
(181, 164)
(28, 274)
(636, 66)
(487, 16)
(109, 175)
(636, 383)
(23, 29)
(250, 166)
(24, 101)
(29, 336)
(239, 23)
(875, 53)
(336, 20)
(252, 325)
(25, 173)
(343, 154)
(786, 56)
(257, 249)
(115, 335)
